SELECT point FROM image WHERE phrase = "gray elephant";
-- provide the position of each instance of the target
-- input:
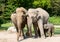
(19, 19)
(38, 17)
(49, 29)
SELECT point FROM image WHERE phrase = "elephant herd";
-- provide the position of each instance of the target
(36, 16)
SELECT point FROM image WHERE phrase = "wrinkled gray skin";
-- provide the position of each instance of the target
(19, 20)
(31, 20)
(44, 16)
(49, 29)
(38, 17)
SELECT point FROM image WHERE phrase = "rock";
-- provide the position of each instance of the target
(11, 29)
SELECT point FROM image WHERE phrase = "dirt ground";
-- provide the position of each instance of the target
(11, 37)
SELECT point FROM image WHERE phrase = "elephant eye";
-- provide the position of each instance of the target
(37, 11)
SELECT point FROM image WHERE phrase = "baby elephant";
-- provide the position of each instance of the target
(49, 29)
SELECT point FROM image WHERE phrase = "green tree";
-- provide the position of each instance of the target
(7, 7)
(2, 5)
(55, 7)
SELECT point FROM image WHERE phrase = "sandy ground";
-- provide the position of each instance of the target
(11, 37)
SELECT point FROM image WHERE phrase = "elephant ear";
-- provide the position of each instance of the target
(38, 17)
(24, 12)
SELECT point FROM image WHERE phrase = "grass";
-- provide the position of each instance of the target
(5, 26)
(55, 20)
(56, 30)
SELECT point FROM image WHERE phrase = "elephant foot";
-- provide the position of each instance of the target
(43, 37)
(28, 35)
(36, 36)
(21, 38)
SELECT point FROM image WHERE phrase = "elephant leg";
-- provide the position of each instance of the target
(15, 24)
(35, 29)
(16, 27)
(45, 31)
(20, 35)
(40, 25)
(52, 31)
(17, 32)
(39, 34)
(49, 32)
(29, 30)
(22, 26)
(29, 22)
(27, 33)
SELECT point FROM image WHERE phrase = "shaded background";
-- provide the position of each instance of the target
(7, 7)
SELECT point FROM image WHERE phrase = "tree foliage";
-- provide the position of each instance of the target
(55, 7)
(7, 7)
(2, 5)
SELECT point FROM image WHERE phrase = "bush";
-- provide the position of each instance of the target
(55, 20)
(1, 20)
(5, 26)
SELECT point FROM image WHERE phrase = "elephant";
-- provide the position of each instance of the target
(38, 17)
(49, 29)
(19, 19)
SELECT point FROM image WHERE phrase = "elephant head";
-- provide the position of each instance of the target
(21, 9)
